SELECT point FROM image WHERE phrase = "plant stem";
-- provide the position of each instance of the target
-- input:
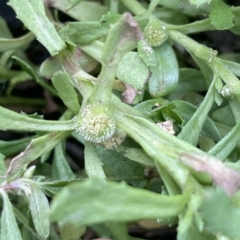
(134, 6)
(114, 6)
(122, 38)
(199, 50)
(198, 26)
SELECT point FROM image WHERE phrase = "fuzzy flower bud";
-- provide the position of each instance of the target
(115, 140)
(155, 34)
(95, 123)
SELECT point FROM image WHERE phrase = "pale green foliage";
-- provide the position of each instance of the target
(116, 76)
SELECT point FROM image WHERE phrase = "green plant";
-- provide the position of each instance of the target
(108, 52)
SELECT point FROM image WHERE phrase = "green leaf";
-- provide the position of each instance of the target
(29, 69)
(10, 148)
(5, 32)
(133, 71)
(221, 15)
(147, 54)
(199, 3)
(39, 207)
(205, 69)
(219, 214)
(53, 64)
(118, 167)
(230, 79)
(49, 67)
(32, 14)
(205, 143)
(224, 147)
(24, 220)
(200, 7)
(93, 165)
(84, 11)
(72, 4)
(187, 110)
(193, 128)
(164, 77)
(15, 43)
(101, 230)
(71, 231)
(9, 227)
(119, 230)
(146, 107)
(224, 116)
(53, 234)
(236, 28)
(153, 4)
(233, 67)
(109, 19)
(35, 149)
(135, 154)
(81, 33)
(170, 184)
(66, 91)
(14, 121)
(61, 169)
(193, 233)
(161, 149)
(2, 165)
(191, 80)
(95, 201)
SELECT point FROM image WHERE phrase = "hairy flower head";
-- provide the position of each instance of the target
(155, 34)
(95, 123)
(115, 140)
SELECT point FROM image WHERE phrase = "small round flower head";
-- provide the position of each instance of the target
(95, 123)
(115, 140)
(155, 34)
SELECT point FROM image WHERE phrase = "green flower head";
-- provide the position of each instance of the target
(95, 123)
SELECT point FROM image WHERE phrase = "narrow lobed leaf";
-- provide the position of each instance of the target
(193, 128)
(81, 33)
(221, 15)
(219, 214)
(32, 14)
(11, 120)
(9, 227)
(95, 201)
(35, 149)
(39, 207)
(15, 43)
(66, 91)
(93, 165)
(60, 168)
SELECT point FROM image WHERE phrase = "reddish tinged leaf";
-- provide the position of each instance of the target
(228, 179)
(129, 94)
